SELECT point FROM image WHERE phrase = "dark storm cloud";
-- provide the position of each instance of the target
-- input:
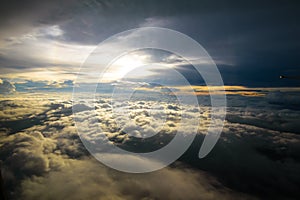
(18, 17)
(117, 15)
(256, 41)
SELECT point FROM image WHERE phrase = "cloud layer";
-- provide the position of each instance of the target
(46, 159)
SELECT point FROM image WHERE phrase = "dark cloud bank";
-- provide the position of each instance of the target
(254, 42)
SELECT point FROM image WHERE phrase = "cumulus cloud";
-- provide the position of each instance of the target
(24, 153)
(19, 109)
(60, 84)
(86, 179)
(6, 87)
(46, 158)
(43, 162)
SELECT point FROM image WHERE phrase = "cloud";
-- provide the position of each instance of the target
(45, 85)
(50, 157)
(63, 33)
(6, 87)
(60, 84)
(47, 159)
(288, 99)
(24, 153)
(86, 179)
(245, 152)
(282, 118)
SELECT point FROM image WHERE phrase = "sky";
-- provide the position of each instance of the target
(252, 43)
(51, 137)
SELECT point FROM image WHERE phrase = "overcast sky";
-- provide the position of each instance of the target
(252, 42)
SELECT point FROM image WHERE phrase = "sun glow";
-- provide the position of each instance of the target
(128, 65)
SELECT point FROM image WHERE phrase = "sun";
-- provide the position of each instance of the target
(124, 65)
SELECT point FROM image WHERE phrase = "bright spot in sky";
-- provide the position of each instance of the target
(132, 65)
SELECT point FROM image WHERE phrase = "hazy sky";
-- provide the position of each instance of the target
(252, 42)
